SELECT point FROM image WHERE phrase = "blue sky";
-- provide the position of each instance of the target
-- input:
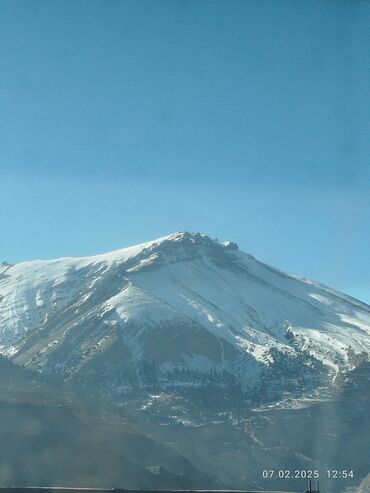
(124, 121)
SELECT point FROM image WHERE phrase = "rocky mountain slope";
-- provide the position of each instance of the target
(51, 439)
(186, 342)
(178, 312)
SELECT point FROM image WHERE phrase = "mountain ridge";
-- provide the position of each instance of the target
(183, 304)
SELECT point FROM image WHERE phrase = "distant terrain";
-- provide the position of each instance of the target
(179, 363)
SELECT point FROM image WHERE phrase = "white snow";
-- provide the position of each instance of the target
(186, 277)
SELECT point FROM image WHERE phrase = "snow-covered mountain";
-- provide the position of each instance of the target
(181, 310)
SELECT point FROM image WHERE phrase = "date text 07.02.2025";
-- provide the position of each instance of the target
(307, 474)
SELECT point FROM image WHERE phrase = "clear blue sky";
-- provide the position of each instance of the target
(124, 121)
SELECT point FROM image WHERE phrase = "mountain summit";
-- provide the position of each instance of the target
(183, 310)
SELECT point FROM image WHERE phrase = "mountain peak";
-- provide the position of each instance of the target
(201, 239)
(178, 246)
(182, 302)
(172, 243)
